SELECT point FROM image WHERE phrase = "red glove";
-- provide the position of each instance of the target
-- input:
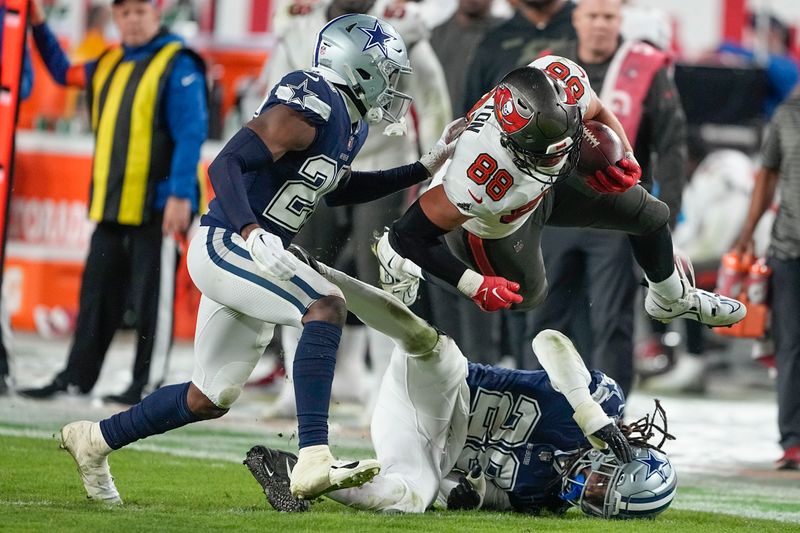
(616, 178)
(497, 293)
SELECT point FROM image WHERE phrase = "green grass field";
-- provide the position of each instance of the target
(41, 491)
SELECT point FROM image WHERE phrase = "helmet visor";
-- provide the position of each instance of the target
(598, 491)
(393, 102)
(557, 162)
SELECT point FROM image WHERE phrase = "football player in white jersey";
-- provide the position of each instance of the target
(513, 172)
(525, 437)
(294, 21)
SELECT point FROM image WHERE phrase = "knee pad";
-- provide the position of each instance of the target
(653, 215)
(532, 297)
(225, 386)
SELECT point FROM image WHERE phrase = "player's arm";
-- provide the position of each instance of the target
(599, 112)
(763, 194)
(187, 120)
(569, 376)
(264, 140)
(380, 310)
(53, 55)
(472, 491)
(362, 187)
(626, 172)
(417, 236)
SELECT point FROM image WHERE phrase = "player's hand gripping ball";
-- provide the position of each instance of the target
(608, 169)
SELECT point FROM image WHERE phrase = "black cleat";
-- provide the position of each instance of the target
(303, 256)
(272, 468)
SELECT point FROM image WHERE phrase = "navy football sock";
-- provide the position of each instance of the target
(314, 364)
(159, 412)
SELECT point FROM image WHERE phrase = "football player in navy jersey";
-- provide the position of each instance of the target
(268, 179)
(526, 440)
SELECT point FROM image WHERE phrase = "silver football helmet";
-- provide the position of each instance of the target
(600, 485)
(368, 57)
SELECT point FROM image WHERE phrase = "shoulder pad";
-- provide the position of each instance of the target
(305, 92)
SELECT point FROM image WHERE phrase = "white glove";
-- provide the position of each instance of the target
(269, 255)
(444, 147)
(590, 417)
(398, 275)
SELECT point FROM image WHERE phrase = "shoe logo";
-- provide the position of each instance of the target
(481, 295)
(269, 471)
(478, 199)
(666, 309)
(348, 466)
(734, 305)
(187, 80)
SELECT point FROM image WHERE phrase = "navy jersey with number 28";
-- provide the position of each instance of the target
(284, 194)
(518, 422)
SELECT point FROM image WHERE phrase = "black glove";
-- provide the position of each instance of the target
(612, 436)
(465, 496)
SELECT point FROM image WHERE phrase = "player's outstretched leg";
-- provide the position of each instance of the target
(378, 309)
(695, 304)
(85, 442)
(272, 469)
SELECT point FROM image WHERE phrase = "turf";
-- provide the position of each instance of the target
(40, 491)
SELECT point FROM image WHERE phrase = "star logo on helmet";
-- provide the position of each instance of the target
(605, 391)
(300, 93)
(655, 466)
(377, 38)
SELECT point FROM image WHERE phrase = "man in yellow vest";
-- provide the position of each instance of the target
(149, 115)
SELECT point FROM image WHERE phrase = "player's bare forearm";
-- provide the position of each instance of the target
(416, 235)
(598, 111)
(763, 194)
(385, 313)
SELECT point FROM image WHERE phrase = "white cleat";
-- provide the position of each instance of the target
(696, 304)
(318, 473)
(85, 442)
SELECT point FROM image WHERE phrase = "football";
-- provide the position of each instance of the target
(600, 148)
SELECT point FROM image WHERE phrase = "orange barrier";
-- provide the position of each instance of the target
(49, 234)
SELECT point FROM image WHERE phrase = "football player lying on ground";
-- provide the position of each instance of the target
(512, 173)
(268, 180)
(530, 440)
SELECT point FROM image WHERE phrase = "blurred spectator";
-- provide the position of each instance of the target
(454, 42)
(537, 25)
(634, 79)
(149, 115)
(93, 44)
(768, 48)
(25, 88)
(647, 23)
(780, 167)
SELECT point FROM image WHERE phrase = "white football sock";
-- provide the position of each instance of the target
(670, 289)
